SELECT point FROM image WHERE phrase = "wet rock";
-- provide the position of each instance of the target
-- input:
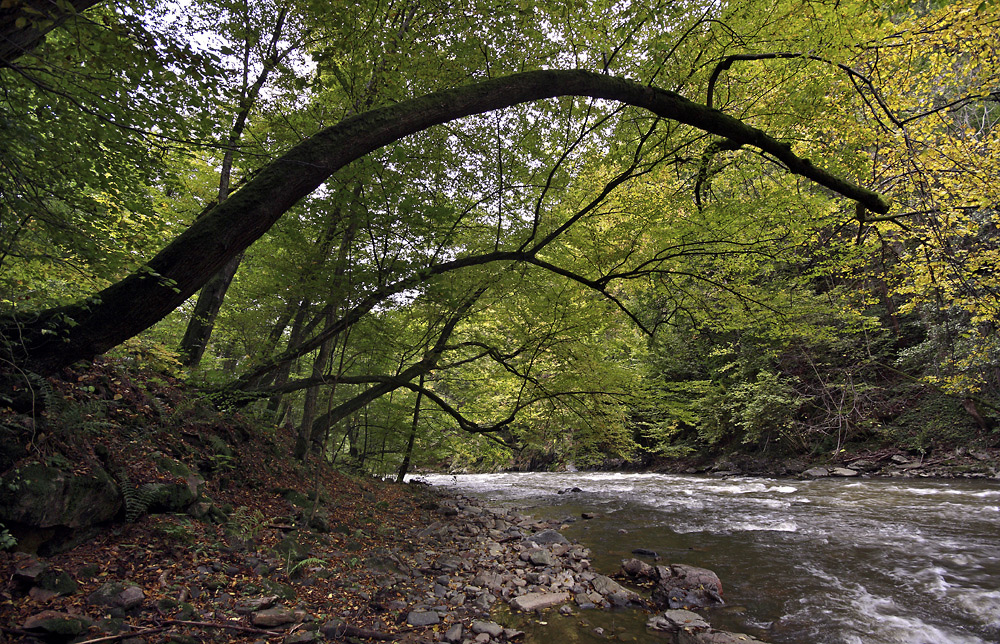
(716, 637)
(682, 586)
(816, 472)
(645, 552)
(637, 568)
(843, 472)
(672, 621)
(538, 601)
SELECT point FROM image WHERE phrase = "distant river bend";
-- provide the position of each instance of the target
(827, 561)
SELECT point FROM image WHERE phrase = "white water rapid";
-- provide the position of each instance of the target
(828, 561)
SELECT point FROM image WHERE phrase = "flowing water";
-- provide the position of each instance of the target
(827, 561)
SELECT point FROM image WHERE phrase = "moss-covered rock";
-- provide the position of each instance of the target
(40, 496)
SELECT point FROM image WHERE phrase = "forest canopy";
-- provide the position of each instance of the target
(475, 233)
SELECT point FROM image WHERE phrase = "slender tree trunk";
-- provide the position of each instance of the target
(285, 370)
(306, 429)
(404, 467)
(213, 294)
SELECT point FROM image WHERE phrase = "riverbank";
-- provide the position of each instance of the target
(887, 462)
(437, 572)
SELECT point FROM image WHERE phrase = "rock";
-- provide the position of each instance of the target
(673, 621)
(44, 497)
(491, 628)
(58, 583)
(569, 490)
(538, 601)
(274, 617)
(588, 515)
(248, 606)
(645, 552)
(862, 465)
(28, 569)
(637, 568)
(423, 618)
(301, 637)
(454, 634)
(546, 537)
(843, 471)
(606, 585)
(683, 586)
(715, 637)
(118, 595)
(56, 623)
(816, 472)
(541, 557)
(899, 459)
(488, 580)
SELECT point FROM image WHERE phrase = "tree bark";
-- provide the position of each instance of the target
(49, 340)
(404, 467)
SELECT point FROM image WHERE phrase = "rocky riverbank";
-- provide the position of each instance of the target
(959, 463)
(459, 573)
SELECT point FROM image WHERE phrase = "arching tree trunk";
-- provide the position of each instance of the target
(46, 341)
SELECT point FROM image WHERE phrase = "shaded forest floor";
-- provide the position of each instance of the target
(253, 536)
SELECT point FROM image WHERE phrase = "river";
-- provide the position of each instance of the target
(825, 561)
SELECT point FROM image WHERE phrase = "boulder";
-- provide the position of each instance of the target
(678, 585)
(816, 472)
(40, 496)
(844, 472)
(683, 586)
(490, 628)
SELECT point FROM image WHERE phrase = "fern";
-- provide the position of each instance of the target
(137, 499)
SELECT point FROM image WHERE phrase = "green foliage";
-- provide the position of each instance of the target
(7, 540)
(622, 283)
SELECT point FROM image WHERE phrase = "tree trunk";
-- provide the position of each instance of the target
(46, 341)
(211, 297)
(404, 467)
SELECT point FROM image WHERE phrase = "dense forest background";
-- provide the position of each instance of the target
(573, 279)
